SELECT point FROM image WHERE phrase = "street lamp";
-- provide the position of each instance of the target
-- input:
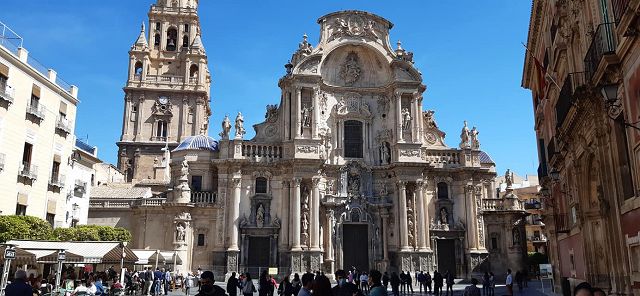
(610, 94)
(554, 174)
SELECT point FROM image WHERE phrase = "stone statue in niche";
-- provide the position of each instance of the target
(516, 236)
(406, 119)
(305, 199)
(240, 131)
(180, 232)
(350, 70)
(385, 153)
(306, 116)
(475, 144)
(465, 137)
(444, 216)
(353, 182)
(226, 127)
(260, 216)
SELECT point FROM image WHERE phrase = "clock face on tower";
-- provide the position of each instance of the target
(163, 100)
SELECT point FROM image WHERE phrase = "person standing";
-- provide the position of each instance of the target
(188, 283)
(148, 280)
(207, 287)
(403, 282)
(364, 282)
(395, 283)
(167, 282)
(247, 287)
(264, 285)
(232, 285)
(307, 284)
(321, 286)
(385, 281)
(285, 288)
(450, 281)
(343, 286)
(485, 284)
(409, 282)
(420, 279)
(519, 281)
(492, 284)
(376, 288)
(472, 290)
(158, 277)
(437, 283)
(427, 282)
(19, 286)
(509, 282)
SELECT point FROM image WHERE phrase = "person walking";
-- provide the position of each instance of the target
(233, 285)
(395, 283)
(247, 287)
(285, 288)
(519, 281)
(472, 290)
(321, 286)
(307, 284)
(450, 281)
(437, 283)
(403, 282)
(148, 280)
(485, 284)
(296, 283)
(385, 280)
(427, 282)
(207, 286)
(188, 283)
(343, 287)
(264, 285)
(509, 282)
(375, 283)
(167, 282)
(492, 284)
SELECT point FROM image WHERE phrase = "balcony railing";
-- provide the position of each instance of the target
(7, 94)
(564, 102)
(2, 157)
(532, 205)
(57, 180)
(603, 43)
(165, 79)
(203, 197)
(28, 170)
(259, 152)
(36, 110)
(160, 139)
(542, 170)
(442, 157)
(193, 80)
(150, 202)
(619, 8)
(80, 187)
(562, 223)
(160, 9)
(63, 125)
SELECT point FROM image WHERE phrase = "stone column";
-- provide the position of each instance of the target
(314, 116)
(472, 236)
(385, 233)
(402, 204)
(328, 233)
(297, 116)
(422, 243)
(285, 213)
(234, 215)
(427, 220)
(295, 216)
(399, 117)
(315, 215)
(286, 108)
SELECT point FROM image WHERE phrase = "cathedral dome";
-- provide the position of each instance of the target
(199, 142)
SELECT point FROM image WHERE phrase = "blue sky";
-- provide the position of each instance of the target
(469, 52)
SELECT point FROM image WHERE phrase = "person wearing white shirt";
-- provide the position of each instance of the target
(80, 290)
(364, 279)
(509, 282)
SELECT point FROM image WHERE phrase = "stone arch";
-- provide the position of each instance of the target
(356, 65)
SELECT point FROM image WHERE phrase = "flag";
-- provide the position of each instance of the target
(541, 74)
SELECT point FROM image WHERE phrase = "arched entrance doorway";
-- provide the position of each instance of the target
(356, 240)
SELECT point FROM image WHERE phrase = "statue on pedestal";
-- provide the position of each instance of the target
(226, 127)
(465, 137)
(406, 119)
(260, 216)
(475, 144)
(240, 131)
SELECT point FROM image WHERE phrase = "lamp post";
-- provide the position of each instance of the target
(157, 255)
(122, 263)
(9, 255)
(62, 256)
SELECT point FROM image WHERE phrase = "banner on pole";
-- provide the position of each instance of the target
(546, 271)
(9, 254)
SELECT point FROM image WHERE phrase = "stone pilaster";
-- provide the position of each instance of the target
(295, 217)
(315, 215)
(422, 224)
(402, 204)
(234, 214)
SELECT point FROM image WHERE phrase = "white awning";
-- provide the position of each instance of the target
(149, 257)
(80, 252)
(22, 256)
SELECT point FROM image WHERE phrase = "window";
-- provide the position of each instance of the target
(156, 40)
(515, 232)
(200, 239)
(443, 190)
(26, 154)
(51, 218)
(536, 234)
(193, 71)
(21, 210)
(353, 139)
(3, 82)
(196, 183)
(624, 167)
(185, 41)
(35, 101)
(138, 70)
(55, 171)
(261, 185)
(161, 130)
(172, 39)
(186, 28)
(157, 25)
(494, 243)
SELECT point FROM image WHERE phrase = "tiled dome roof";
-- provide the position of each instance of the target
(199, 142)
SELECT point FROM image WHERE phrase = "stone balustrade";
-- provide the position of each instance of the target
(501, 204)
(261, 152)
(442, 157)
(203, 197)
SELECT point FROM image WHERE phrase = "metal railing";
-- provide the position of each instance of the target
(619, 8)
(36, 110)
(7, 93)
(10, 39)
(203, 197)
(28, 170)
(80, 187)
(562, 224)
(262, 151)
(57, 180)
(63, 124)
(603, 43)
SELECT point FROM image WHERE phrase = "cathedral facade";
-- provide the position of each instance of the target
(346, 171)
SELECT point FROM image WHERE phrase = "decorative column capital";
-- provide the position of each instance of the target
(298, 88)
(420, 184)
(296, 182)
(285, 184)
(402, 184)
(315, 181)
(236, 182)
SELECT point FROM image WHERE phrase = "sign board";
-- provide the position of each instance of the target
(62, 256)
(9, 254)
(546, 271)
(273, 270)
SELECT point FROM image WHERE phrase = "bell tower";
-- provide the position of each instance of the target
(167, 90)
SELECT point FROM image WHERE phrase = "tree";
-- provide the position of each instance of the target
(24, 227)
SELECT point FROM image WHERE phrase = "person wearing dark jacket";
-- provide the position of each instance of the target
(437, 283)
(207, 287)
(233, 285)
(385, 280)
(344, 287)
(264, 285)
(395, 284)
(285, 288)
(449, 278)
(19, 286)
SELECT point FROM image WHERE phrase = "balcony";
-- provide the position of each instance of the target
(532, 205)
(164, 79)
(7, 94)
(542, 170)
(603, 43)
(63, 125)
(2, 157)
(562, 224)
(193, 80)
(203, 197)
(619, 8)
(28, 170)
(57, 181)
(262, 152)
(441, 158)
(36, 110)
(80, 187)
